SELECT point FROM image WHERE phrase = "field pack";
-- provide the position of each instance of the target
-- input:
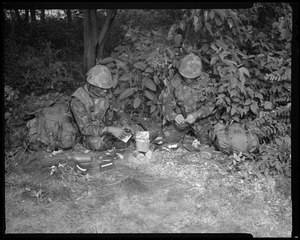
(234, 139)
(53, 127)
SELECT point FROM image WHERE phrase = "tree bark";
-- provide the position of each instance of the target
(101, 48)
(43, 15)
(17, 15)
(32, 15)
(69, 17)
(90, 38)
(93, 40)
(26, 15)
(111, 13)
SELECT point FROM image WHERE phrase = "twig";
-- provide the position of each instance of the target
(79, 72)
(13, 129)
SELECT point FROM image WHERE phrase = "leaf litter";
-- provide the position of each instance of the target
(178, 192)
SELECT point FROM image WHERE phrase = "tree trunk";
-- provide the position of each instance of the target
(32, 15)
(90, 38)
(104, 31)
(101, 48)
(26, 15)
(17, 15)
(43, 15)
(69, 17)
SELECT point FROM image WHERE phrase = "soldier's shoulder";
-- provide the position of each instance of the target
(78, 91)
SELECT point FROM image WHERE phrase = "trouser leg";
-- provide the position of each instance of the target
(103, 143)
(203, 132)
(173, 134)
(96, 143)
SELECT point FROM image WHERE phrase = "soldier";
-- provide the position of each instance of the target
(183, 110)
(91, 107)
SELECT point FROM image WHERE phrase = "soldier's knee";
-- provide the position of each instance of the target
(96, 143)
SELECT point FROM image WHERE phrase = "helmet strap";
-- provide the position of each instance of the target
(188, 81)
(93, 93)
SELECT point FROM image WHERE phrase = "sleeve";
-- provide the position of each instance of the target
(84, 122)
(169, 104)
(205, 110)
(123, 118)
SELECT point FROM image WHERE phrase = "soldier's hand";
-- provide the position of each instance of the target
(179, 119)
(190, 119)
(128, 127)
(117, 132)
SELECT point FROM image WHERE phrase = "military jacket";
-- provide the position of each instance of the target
(184, 99)
(91, 113)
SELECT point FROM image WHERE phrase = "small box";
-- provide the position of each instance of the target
(142, 141)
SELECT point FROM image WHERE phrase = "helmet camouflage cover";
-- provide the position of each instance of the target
(190, 66)
(99, 76)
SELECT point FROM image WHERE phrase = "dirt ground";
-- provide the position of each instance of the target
(177, 192)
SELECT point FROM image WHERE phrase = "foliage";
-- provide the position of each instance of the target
(141, 67)
(249, 70)
(275, 159)
(246, 54)
(35, 69)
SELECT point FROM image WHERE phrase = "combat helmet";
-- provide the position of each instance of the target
(99, 76)
(190, 66)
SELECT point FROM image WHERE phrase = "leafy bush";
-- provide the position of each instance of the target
(35, 69)
(249, 72)
(142, 67)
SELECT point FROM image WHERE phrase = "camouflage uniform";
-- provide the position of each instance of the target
(185, 99)
(92, 114)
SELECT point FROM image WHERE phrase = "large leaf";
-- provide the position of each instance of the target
(120, 64)
(233, 110)
(115, 79)
(177, 39)
(196, 19)
(247, 102)
(136, 103)
(230, 23)
(150, 84)
(127, 93)
(182, 25)
(172, 54)
(245, 71)
(254, 107)
(224, 54)
(140, 65)
(218, 21)
(198, 25)
(268, 105)
(208, 26)
(151, 96)
(125, 77)
(212, 14)
(250, 92)
(205, 47)
(175, 81)
(214, 60)
(233, 83)
(118, 90)
(233, 92)
(214, 48)
(152, 108)
(259, 95)
(149, 70)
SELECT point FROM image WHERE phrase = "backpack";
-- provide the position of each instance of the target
(53, 127)
(234, 139)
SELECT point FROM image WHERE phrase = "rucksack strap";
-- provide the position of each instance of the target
(41, 121)
(249, 145)
(226, 130)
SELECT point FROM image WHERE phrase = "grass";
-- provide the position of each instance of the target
(178, 192)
